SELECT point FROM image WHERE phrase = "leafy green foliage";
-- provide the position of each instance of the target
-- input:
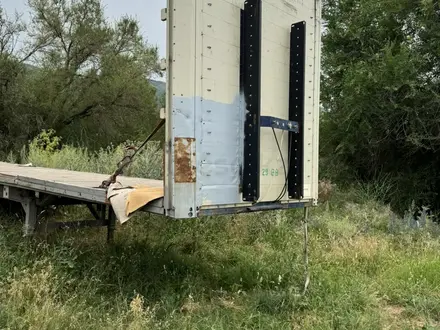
(46, 141)
(89, 78)
(381, 96)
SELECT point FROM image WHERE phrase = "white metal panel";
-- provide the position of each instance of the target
(316, 97)
(277, 18)
(204, 101)
(222, 112)
(181, 107)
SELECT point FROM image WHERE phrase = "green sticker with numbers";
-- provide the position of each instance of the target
(272, 171)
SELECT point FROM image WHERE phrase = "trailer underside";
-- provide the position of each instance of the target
(37, 188)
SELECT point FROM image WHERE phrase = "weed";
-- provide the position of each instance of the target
(369, 268)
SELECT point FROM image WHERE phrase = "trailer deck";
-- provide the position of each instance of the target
(70, 184)
(38, 187)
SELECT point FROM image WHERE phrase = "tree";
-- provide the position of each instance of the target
(381, 95)
(94, 70)
(11, 74)
(89, 78)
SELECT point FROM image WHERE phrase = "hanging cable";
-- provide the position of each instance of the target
(286, 173)
(306, 250)
(284, 165)
(305, 218)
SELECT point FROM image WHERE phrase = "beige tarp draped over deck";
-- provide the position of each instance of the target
(127, 200)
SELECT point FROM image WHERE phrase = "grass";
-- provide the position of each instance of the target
(369, 270)
(148, 162)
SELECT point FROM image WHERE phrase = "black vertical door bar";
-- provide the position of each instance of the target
(250, 86)
(296, 109)
(242, 80)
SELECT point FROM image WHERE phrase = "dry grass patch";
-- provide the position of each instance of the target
(358, 247)
(397, 318)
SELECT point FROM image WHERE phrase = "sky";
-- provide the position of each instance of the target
(147, 12)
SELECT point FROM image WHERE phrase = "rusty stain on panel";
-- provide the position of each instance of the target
(184, 160)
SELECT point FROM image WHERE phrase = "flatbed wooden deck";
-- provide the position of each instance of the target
(38, 187)
(64, 183)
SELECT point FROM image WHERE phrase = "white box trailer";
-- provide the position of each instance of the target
(242, 121)
(242, 114)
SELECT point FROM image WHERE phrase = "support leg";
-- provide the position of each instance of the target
(94, 212)
(103, 210)
(30, 208)
(111, 225)
(306, 252)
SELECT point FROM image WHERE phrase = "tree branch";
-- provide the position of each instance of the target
(82, 114)
(88, 109)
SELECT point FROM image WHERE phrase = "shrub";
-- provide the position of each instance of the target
(45, 151)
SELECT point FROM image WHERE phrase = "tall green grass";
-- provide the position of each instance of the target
(369, 269)
(148, 163)
(231, 272)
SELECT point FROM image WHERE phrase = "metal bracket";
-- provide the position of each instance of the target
(6, 192)
(164, 14)
(296, 109)
(250, 87)
(282, 124)
(30, 208)
(27, 201)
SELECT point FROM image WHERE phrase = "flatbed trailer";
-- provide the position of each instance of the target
(37, 188)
